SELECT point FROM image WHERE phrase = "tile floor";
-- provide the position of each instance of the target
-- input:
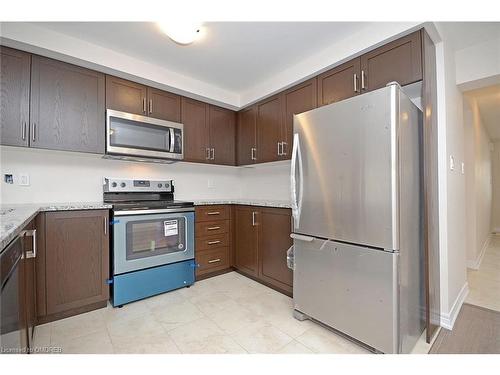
(225, 314)
(484, 284)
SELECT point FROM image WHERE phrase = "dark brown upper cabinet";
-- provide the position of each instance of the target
(222, 137)
(164, 105)
(400, 61)
(246, 136)
(126, 96)
(298, 99)
(14, 97)
(339, 83)
(196, 130)
(67, 107)
(269, 120)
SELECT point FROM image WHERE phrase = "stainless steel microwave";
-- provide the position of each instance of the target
(135, 136)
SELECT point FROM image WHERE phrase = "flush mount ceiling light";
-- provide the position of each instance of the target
(182, 32)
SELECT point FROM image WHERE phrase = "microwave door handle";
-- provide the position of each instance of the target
(172, 140)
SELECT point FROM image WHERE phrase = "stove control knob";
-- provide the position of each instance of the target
(113, 184)
(167, 185)
(160, 185)
(123, 184)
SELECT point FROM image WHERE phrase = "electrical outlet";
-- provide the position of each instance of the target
(8, 178)
(24, 180)
(211, 183)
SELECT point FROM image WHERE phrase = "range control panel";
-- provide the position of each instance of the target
(122, 185)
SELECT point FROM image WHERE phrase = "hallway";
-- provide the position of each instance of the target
(484, 283)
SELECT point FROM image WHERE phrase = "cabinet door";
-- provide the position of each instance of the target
(14, 96)
(246, 239)
(399, 61)
(246, 136)
(195, 120)
(126, 96)
(268, 129)
(274, 241)
(77, 259)
(298, 99)
(164, 105)
(67, 107)
(339, 83)
(222, 135)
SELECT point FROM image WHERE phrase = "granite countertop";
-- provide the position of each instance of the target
(247, 202)
(14, 217)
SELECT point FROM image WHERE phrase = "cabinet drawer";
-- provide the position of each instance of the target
(211, 213)
(212, 260)
(208, 228)
(212, 242)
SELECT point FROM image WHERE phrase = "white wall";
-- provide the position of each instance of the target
(478, 183)
(451, 184)
(266, 181)
(496, 187)
(66, 176)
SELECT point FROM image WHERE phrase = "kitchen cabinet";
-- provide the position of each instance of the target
(163, 105)
(73, 263)
(67, 107)
(339, 83)
(246, 240)
(126, 96)
(274, 241)
(14, 96)
(213, 240)
(269, 130)
(196, 130)
(246, 136)
(222, 136)
(298, 99)
(400, 61)
(262, 238)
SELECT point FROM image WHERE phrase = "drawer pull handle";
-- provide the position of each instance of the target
(213, 242)
(213, 228)
(213, 213)
(214, 260)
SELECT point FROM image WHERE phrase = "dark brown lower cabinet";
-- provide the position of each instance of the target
(262, 237)
(73, 265)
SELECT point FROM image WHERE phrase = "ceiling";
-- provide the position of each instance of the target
(488, 102)
(231, 55)
(466, 34)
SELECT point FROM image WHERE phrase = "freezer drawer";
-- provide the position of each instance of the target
(350, 288)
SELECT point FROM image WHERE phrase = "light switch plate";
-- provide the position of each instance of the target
(24, 180)
(210, 183)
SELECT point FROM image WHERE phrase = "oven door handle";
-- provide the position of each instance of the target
(158, 211)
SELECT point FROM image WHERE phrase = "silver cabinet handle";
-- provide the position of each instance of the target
(283, 152)
(32, 234)
(355, 79)
(279, 148)
(105, 225)
(213, 242)
(254, 221)
(254, 153)
(144, 105)
(213, 213)
(213, 154)
(213, 228)
(33, 136)
(23, 131)
(363, 80)
(150, 106)
(207, 150)
(214, 260)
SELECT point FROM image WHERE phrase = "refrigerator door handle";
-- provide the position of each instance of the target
(301, 237)
(293, 180)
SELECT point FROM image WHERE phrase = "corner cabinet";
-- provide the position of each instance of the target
(262, 238)
(73, 263)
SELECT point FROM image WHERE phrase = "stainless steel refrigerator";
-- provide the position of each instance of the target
(356, 183)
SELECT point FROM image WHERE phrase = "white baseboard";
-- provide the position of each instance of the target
(448, 320)
(476, 263)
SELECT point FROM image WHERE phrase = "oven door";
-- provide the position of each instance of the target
(134, 135)
(151, 239)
